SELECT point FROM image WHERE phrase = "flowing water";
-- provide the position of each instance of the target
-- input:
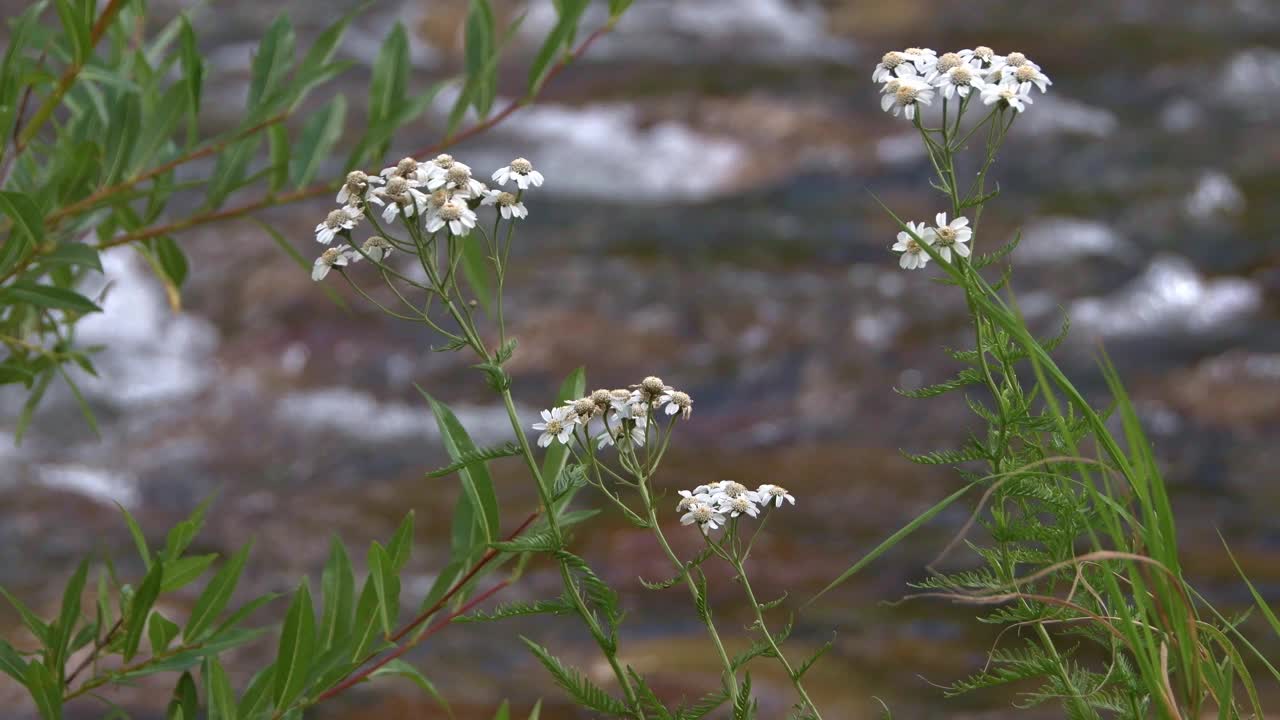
(708, 217)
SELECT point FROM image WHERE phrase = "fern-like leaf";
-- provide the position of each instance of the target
(581, 689)
(478, 455)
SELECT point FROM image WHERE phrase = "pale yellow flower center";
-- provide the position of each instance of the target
(892, 60)
(1015, 59)
(961, 75)
(946, 235)
(336, 219)
(522, 166)
(330, 256)
(506, 199)
(948, 61)
(906, 94)
(1026, 73)
(450, 212)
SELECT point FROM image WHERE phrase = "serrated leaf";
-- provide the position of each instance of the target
(480, 455)
(579, 687)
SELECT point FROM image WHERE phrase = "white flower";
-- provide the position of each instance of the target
(959, 80)
(923, 59)
(456, 215)
(707, 517)
(1009, 95)
(906, 94)
(951, 236)
(981, 57)
(357, 186)
(458, 179)
(331, 258)
(506, 203)
(409, 169)
(439, 166)
(616, 424)
(913, 256)
(557, 424)
(729, 489)
(1023, 77)
(1013, 60)
(775, 493)
(376, 248)
(521, 171)
(344, 218)
(676, 401)
(740, 505)
(400, 195)
(689, 499)
(890, 65)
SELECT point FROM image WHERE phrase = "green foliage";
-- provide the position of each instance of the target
(576, 684)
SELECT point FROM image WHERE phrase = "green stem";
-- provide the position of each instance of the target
(773, 645)
(730, 679)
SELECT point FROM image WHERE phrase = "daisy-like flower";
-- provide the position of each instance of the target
(602, 399)
(945, 63)
(960, 80)
(676, 401)
(689, 499)
(628, 418)
(557, 424)
(1024, 76)
(1009, 95)
(1013, 60)
(906, 95)
(409, 169)
(774, 493)
(377, 248)
(740, 505)
(357, 186)
(344, 218)
(890, 65)
(923, 59)
(706, 516)
(400, 195)
(952, 236)
(729, 490)
(331, 258)
(456, 215)
(439, 165)
(521, 171)
(914, 256)
(458, 179)
(981, 57)
(584, 409)
(650, 389)
(507, 204)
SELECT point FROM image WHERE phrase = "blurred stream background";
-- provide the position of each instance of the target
(707, 217)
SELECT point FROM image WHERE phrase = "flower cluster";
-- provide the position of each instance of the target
(947, 237)
(710, 506)
(440, 194)
(623, 414)
(910, 78)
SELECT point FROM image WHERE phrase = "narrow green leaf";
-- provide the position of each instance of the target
(337, 589)
(46, 690)
(220, 698)
(297, 643)
(894, 539)
(400, 668)
(69, 614)
(271, 63)
(139, 539)
(401, 543)
(32, 621)
(185, 702)
(140, 608)
(476, 482)
(480, 49)
(213, 600)
(386, 584)
(160, 631)
(73, 254)
(388, 85)
(184, 571)
(504, 711)
(11, 663)
(556, 41)
(257, 696)
(319, 135)
(192, 75)
(48, 297)
(172, 260)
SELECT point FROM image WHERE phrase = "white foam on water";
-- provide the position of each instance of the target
(152, 354)
(1214, 195)
(605, 151)
(1059, 239)
(362, 416)
(96, 484)
(1169, 297)
(1053, 114)
(771, 30)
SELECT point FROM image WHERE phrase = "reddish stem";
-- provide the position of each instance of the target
(436, 627)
